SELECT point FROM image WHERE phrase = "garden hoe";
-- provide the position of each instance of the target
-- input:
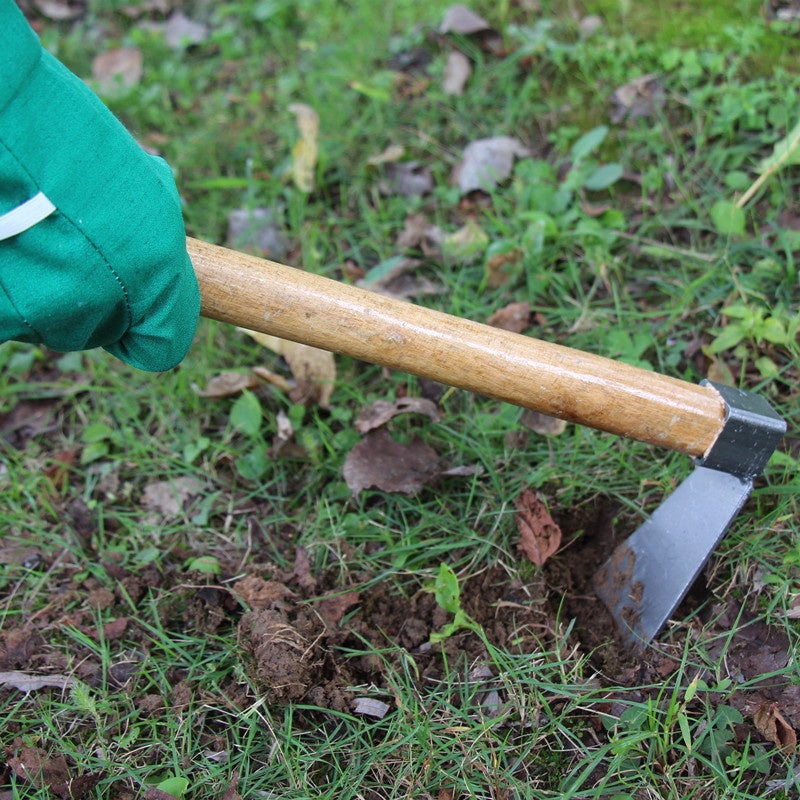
(730, 433)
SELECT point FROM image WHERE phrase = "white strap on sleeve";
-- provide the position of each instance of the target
(25, 216)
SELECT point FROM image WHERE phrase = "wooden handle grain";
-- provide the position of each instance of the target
(565, 383)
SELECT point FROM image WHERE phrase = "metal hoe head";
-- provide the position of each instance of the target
(649, 574)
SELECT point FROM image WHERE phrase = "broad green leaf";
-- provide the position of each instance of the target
(176, 786)
(382, 269)
(728, 219)
(94, 451)
(588, 143)
(603, 177)
(774, 331)
(446, 589)
(246, 414)
(207, 564)
(729, 337)
(253, 465)
(766, 367)
(97, 432)
(786, 151)
(738, 312)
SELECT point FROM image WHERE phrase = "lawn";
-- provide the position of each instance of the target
(271, 573)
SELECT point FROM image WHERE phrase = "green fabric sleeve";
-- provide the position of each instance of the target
(109, 267)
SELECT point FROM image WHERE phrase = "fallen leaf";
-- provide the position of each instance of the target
(486, 162)
(381, 411)
(228, 384)
(794, 608)
(115, 629)
(407, 179)
(540, 537)
(256, 593)
(380, 462)
(302, 569)
(370, 707)
(121, 67)
(399, 279)
(34, 766)
(418, 232)
(392, 153)
(306, 149)
(314, 370)
(589, 25)
(637, 99)
(457, 71)
(62, 461)
(542, 423)
(169, 497)
(515, 317)
(24, 682)
(273, 379)
(466, 244)
(60, 10)
(181, 32)
(774, 728)
(333, 607)
(496, 273)
(231, 792)
(460, 19)
(257, 230)
(284, 444)
(158, 794)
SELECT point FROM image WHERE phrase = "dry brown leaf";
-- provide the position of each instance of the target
(33, 766)
(257, 230)
(487, 162)
(418, 232)
(794, 608)
(60, 10)
(540, 537)
(284, 444)
(121, 67)
(333, 607)
(392, 153)
(231, 792)
(302, 569)
(115, 629)
(466, 244)
(169, 497)
(228, 384)
(181, 32)
(306, 149)
(24, 682)
(380, 462)
(774, 728)
(406, 178)
(515, 317)
(542, 423)
(255, 592)
(381, 411)
(497, 274)
(313, 369)
(460, 19)
(457, 71)
(637, 99)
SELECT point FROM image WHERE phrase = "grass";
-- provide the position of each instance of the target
(636, 271)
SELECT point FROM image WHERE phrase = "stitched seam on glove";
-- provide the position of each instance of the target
(80, 232)
(21, 316)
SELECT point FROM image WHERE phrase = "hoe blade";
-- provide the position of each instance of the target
(649, 574)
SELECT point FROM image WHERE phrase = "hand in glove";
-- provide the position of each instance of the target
(92, 243)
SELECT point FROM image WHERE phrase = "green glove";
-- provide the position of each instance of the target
(92, 243)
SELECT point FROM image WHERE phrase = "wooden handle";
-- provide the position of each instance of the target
(570, 384)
